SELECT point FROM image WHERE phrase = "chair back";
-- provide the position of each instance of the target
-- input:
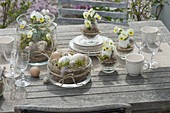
(111, 108)
(70, 12)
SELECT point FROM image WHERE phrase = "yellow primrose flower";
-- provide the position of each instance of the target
(130, 32)
(22, 24)
(29, 34)
(121, 37)
(41, 19)
(33, 15)
(111, 43)
(85, 14)
(116, 29)
(87, 23)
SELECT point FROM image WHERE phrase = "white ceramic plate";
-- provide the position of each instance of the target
(90, 53)
(81, 41)
(73, 85)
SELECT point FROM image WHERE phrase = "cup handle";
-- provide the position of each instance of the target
(145, 66)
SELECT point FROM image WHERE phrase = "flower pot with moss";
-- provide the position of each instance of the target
(107, 58)
(90, 29)
(37, 34)
(125, 43)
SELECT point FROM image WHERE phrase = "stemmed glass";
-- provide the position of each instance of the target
(10, 55)
(153, 46)
(22, 64)
(140, 43)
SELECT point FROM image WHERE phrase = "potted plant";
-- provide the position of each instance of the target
(37, 33)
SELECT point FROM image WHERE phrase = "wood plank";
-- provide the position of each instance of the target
(94, 3)
(68, 11)
(140, 97)
(50, 91)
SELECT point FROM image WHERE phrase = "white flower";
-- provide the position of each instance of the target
(122, 37)
(87, 23)
(47, 18)
(29, 34)
(40, 17)
(116, 29)
(31, 44)
(48, 36)
(130, 32)
(85, 14)
(37, 16)
(22, 24)
(97, 16)
(44, 11)
(33, 15)
(91, 12)
(107, 51)
(124, 33)
(108, 48)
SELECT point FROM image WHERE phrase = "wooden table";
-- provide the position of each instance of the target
(150, 91)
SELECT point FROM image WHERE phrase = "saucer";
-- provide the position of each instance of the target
(81, 41)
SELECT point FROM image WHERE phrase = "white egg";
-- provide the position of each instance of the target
(78, 57)
(55, 55)
(63, 61)
(72, 63)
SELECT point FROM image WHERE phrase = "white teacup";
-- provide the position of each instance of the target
(149, 33)
(135, 64)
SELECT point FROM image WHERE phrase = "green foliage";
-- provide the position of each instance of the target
(159, 6)
(104, 57)
(141, 9)
(110, 10)
(11, 9)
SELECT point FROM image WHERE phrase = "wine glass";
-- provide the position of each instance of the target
(10, 55)
(22, 64)
(153, 46)
(140, 43)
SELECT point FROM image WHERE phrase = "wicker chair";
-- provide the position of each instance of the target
(112, 108)
(68, 14)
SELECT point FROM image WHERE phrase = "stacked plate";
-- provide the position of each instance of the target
(79, 44)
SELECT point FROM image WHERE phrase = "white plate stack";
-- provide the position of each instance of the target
(79, 44)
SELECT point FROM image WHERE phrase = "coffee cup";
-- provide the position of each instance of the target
(149, 33)
(135, 64)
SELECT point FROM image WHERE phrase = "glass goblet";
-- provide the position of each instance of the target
(153, 46)
(10, 56)
(140, 43)
(22, 64)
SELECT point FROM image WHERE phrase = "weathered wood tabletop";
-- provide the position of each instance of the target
(151, 90)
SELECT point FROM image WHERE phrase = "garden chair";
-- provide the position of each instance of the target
(69, 14)
(112, 108)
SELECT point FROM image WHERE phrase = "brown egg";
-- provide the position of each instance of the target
(35, 72)
(56, 55)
